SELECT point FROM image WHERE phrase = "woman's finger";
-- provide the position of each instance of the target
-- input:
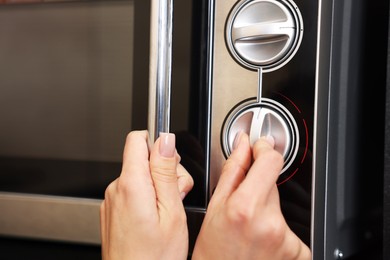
(135, 154)
(103, 223)
(134, 187)
(163, 167)
(264, 172)
(185, 181)
(235, 168)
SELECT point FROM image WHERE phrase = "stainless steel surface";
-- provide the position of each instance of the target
(227, 91)
(264, 33)
(233, 83)
(224, 92)
(241, 87)
(50, 217)
(160, 68)
(262, 122)
(262, 119)
(259, 85)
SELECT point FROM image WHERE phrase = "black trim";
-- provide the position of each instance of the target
(386, 197)
(349, 161)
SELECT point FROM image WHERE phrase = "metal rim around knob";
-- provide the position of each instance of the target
(241, 119)
(264, 33)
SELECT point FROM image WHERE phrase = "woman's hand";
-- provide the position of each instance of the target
(244, 219)
(142, 215)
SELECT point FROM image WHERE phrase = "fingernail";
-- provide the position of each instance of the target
(237, 140)
(167, 145)
(270, 140)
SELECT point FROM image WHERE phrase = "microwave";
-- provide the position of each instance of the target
(75, 80)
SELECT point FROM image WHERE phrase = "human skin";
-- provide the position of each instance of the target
(244, 218)
(142, 215)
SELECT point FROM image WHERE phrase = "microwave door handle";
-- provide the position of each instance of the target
(160, 67)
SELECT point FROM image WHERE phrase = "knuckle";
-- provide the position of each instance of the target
(190, 181)
(130, 136)
(123, 187)
(232, 165)
(109, 191)
(275, 157)
(165, 171)
(177, 218)
(164, 174)
(102, 207)
(258, 225)
(272, 157)
(228, 165)
(270, 231)
(186, 182)
(239, 213)
(119, 187)
(181, 217)
(135, 134)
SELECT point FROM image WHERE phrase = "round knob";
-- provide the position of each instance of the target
(264, 33)
(262, 119)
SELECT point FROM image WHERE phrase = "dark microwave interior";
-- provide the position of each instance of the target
(74, 82)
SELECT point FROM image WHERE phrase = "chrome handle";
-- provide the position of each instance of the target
(160, 67)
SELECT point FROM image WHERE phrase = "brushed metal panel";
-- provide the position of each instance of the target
(228, 77)
(50, 217)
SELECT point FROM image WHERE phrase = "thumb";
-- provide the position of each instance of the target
(163, 166)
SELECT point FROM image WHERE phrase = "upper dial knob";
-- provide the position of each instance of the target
(264, 33)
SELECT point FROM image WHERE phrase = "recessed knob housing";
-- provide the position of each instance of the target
(264, 33)
(262, 119)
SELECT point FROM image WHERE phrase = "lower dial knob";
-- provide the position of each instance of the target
(262, 119)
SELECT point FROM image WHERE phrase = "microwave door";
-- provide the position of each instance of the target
(165, 93)
(62, 145)
(100, 53)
